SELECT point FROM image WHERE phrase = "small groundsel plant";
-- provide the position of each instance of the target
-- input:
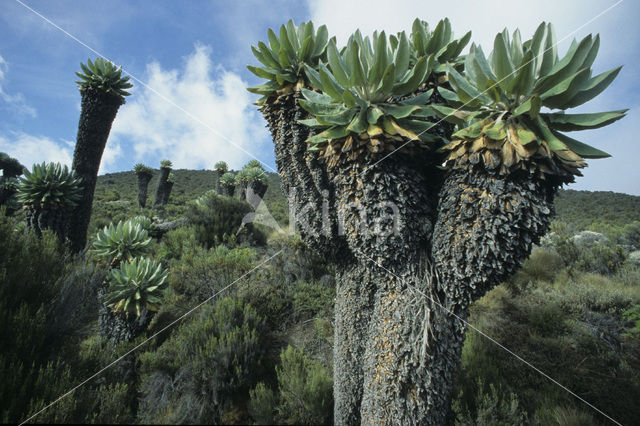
(137, 285)
(49, 185)
(142, 169)
(144, 221)
(122, 242)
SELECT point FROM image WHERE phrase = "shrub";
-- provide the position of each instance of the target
(215, 218)
(310, 300)
(200, 273)
(601, 258)
(262, 404)
(564, 416)
(46, 302)
(543, 264)
(304, 396)
(489, 405)
(209, 364)
(305, 387)
(176, 242)
(627, 275)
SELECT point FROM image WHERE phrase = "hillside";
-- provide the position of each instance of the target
(244, 333)
(576, 210)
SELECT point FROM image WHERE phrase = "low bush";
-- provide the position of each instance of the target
(305, 393)
(203, 369)
(216, 218)
(487, 406)
(200, 273)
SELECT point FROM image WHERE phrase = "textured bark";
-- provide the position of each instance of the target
(219, 174)
(304, 180)
(40, 218)
(143, 185)
(387, 212)
(162, 186)
(99, 109)
(255, 189)
(241, 191)
(227, 190)
(118, 326)
(167, 192)
(486, 227)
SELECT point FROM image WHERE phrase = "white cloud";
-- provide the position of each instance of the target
(16, 102)
(29, 149)
(194, 116)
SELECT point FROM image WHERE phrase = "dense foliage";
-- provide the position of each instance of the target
(555, 308)
(240, 324)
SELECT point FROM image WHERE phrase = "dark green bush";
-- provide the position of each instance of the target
(216, 218)
(205, 367)
(176, 242)
(600, 258)
(310, 300)
(487, 406)
(305, 392)
(46, 303)
(200, 273)
(263, 404)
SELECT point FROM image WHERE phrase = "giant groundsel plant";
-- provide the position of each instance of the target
(517, 100)
(286, 56)
(361, 133)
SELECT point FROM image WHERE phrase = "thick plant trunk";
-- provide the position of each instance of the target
(255, 189)
(486, 227)
(99, 109)
(118, 326)
(386, 212)
(143, 185)
(227, 190)
(305, 183)
(219, 174)
(41, 218)
(241, 191)
(167, 192)
(162, 186)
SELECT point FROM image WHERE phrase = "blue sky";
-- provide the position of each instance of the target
(189, 103)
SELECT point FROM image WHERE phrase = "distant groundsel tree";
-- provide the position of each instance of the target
(221, 168)
(227, 184)
(11, 169)
(161, 189)
(144, 174)
(103, 90)
(361, 132)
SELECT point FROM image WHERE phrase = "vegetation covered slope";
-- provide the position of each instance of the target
(569, 311)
